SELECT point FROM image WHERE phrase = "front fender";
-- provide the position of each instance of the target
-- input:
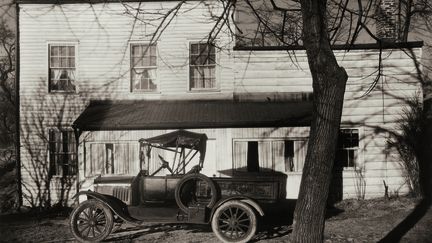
(115, 204)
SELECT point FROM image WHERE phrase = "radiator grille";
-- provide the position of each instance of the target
(122, 194)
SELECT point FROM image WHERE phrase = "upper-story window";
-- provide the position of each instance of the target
(62, 68)
(348, 147)
(144, 67)
(202, 65)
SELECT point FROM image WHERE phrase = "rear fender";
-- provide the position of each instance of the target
(246, 200)
(115, 204)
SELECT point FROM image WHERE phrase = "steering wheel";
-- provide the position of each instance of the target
(164, 165)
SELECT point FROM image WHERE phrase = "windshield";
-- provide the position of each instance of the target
(177, 142)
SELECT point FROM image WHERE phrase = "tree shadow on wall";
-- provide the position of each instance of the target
(43, 188)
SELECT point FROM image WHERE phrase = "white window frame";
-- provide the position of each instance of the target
(132, 67)
(216, 72)
(48, 65)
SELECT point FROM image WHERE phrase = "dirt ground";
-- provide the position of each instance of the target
(349, 221)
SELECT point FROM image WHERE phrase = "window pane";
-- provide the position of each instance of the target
(300, 149)
(63, 51)
(278, 151)
(265, 156)
(55, 62)
(64, 62)
(212, 59)
(354, 138)
(109, 158)
(206, 72)
(289, 156)
(145, 51)
(203, 49)
(252, 157)
(54, 79)
(194, 49)
(193, 60)
(352, 158)
(153, 61)
(195, 75)
(137, 62)
(153, 50)
(348, 138)
(137, 84)
(97, 159)
(146, 62)
(71, 62)
(55, 51)
(240, 155)
(144, 79)
(202, 60)
(71, 51)
(152, 85)
(136, 51)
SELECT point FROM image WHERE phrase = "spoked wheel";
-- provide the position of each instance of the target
(91, 221)
(195, 190)
(234, 221)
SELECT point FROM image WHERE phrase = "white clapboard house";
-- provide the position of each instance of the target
(93, 69)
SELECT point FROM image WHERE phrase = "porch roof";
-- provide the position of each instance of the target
(175, 114)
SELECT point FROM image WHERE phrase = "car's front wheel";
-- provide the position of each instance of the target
(234, 221)
(91, 221)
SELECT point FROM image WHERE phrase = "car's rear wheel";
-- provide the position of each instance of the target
(195, 190)
(234, 221)
(91, 221)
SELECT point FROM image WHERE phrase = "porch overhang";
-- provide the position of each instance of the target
(175, 114)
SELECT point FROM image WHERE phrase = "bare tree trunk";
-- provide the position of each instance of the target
(329, 82)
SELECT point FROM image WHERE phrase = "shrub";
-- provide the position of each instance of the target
(408, 143)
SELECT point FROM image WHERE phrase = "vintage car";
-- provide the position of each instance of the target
(232, 205)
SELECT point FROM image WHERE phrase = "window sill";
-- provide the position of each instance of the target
(58, 177)
(294, 172)
(64, 92)
(213, 90)
(347, 169)
(145, 92)
(351, 169)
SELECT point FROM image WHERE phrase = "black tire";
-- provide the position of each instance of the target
(186, 193)
(234, 221)
(91, 221)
